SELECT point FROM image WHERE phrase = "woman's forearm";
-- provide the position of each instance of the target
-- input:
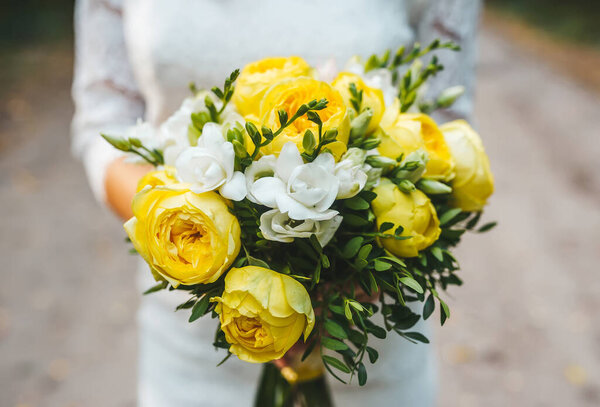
(121, 182)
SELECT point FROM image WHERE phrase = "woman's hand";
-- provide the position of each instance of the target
(121, 184)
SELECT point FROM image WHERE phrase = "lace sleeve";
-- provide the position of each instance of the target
(104, 91)
(455, 20)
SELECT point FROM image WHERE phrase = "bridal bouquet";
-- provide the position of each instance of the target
(309, 216)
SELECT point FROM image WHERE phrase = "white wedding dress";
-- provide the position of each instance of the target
(135, 58)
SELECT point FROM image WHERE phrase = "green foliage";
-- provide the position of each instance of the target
(416, 75)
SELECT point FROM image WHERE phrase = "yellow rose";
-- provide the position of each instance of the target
(186, 238)
(257, 77)
(288, 95)
(413, 211)
(166, 176)
(263, 313)
(474, 182)
(372, 98)
(407, 132)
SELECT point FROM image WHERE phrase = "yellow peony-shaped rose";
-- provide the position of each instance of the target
(474, 182)
(257, 77)
(186, 238)
(413, 211)
(166, 176)
(372, 98)
(263, 313)
(407, 132)
(289, 95)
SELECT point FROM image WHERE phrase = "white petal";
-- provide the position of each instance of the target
(264, 167)
(235, 188)
(351, 182)
(289, 158)
(326, 161)
(327, 229)
(265, 190)
(266, 227)
(297, 211)
(212, 136)
(227, 158)
(313, 186)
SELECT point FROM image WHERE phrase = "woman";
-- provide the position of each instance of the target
(136, 58)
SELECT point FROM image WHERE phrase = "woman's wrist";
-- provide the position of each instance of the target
(120, 182)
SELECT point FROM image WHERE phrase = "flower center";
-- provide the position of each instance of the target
(191, 241)
(251, 332)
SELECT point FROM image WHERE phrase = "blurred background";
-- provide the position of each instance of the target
(524, 329)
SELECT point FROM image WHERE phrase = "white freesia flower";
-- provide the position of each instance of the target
(350, 173)
(263, 167)
(174, 131)
(303, 191)
(210, 165)
(279, 227)
(145, 132)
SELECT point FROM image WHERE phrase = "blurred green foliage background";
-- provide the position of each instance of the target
(573, 20)
(26, 21)
(23, 22)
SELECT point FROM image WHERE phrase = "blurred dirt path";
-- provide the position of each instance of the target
(524, 329)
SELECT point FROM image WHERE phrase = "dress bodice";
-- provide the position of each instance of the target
(173, 42)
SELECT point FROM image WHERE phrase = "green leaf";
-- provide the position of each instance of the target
(372, 284)
(200, 308)
(337, 309)
(412, 283)
(429, 306)
(417, 336)
(356, 203)
(364, 251)
(160, 286)
(253, 261)
(369, 196)
(437, 253)
(188, 304)
(357, 338)
(362, 374)
(394, 260)
(486, 227)
(336, 363)
(352, 247)
(355, 220)
(335, 329)
(381, 265)
(373, 354)
(385, 226)
(445, 311)
(377, 331)
(225, 359)
(473, 221)
(333, 344)
(449, 215)
(309, 349)
(356, 305)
